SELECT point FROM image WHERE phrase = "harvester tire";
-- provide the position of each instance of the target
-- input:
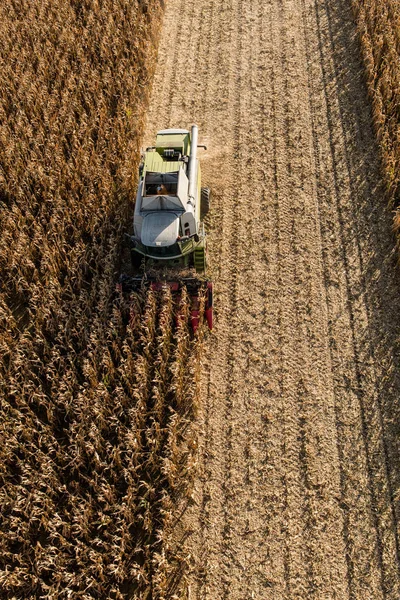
(136, 259)
(205, 201)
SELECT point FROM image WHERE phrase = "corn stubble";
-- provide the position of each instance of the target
(98, 392)
(379, 29)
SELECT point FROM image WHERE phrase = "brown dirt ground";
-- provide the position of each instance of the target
(297, 495)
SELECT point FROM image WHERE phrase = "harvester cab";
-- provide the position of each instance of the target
(168, 229)
(171, 204)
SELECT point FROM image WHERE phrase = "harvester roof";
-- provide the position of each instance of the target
(155, 162)
(174, 138)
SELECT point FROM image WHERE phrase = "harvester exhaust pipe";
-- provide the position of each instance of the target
(192, 175)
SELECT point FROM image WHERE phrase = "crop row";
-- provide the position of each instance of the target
(379, 29)
(89, 480)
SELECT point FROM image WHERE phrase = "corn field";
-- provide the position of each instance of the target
(98, 391)
(379, 29)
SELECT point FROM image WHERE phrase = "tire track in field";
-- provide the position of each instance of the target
(376, 418)
(297, 452)
(317, 481)
(297, 558)
(317, 167)
(225, 405)
(363, 509)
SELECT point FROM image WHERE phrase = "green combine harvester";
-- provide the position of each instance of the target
(168, 226)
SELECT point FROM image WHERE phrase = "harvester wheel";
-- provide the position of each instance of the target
(205, 201)
(136, 259)
(200, 259)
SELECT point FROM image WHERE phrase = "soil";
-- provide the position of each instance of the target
(299, 448)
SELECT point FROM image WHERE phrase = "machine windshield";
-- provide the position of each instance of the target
(157, 184)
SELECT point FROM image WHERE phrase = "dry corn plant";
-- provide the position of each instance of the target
(98, 520)
(180, 455)
(75, 81)
(379, 29)
(97, 391)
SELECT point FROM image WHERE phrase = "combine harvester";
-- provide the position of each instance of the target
(168, 247)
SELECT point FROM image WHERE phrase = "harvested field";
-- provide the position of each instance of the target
(299, 454)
